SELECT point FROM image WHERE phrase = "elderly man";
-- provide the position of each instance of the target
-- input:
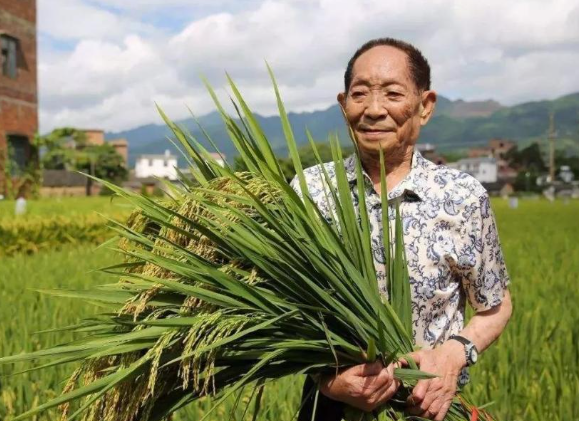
(450, 235)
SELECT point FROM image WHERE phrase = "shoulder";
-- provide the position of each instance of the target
(316, 178)
(317, 186)
(450, 193)
(449, 183)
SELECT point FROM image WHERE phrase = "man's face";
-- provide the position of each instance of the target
(383, 104)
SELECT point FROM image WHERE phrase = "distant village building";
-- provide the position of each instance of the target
(566, 174)
(497, 149)
(484, 169)
(63, 183)
(218, 158)
(163, 166)
(122, 148)
(428, 151)
(97, 137)
(149, 168)
(94, 137)
(18, 87)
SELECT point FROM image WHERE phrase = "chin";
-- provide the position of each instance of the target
(373, 144)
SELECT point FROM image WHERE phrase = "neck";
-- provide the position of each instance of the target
(397, 164)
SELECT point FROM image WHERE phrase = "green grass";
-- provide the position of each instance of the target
(24, 311)
(67, 206)
(530, 374)
(54, 223)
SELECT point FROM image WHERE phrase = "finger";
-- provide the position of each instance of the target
(377, 397)
(386, 375)
(427, 415)
(416, 356)
(443, 411)
(418, 393)
(371, 369)
(436, 405)
(364, 370)
(432, 393)
(390, 370)
(389, 392)
(373, 383)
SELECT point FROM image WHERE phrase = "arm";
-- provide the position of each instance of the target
(486, 326)
(432, 398)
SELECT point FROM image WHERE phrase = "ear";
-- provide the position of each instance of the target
(342, 99)
(427, 105)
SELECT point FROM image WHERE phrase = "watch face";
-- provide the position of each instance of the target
(473, 355)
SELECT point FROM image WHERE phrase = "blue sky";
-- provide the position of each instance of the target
(103, 63)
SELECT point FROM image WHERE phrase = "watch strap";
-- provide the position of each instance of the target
(461, 339)
(468, 347)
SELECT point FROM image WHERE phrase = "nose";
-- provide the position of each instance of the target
(375, 107)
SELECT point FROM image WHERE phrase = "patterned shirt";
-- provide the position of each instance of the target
(451, 241)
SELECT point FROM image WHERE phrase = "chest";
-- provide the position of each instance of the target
(434, 239)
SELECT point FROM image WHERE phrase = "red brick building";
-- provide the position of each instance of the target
(497, 148)
(18, 87)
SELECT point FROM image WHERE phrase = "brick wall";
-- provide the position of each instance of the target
(18, 97)
(122, 148)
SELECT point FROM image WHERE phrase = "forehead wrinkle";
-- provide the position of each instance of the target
(381, 71)
(377, 83)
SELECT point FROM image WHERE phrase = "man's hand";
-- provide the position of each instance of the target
(432, 398)
(364, 386)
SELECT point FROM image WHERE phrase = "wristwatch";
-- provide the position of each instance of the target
(470, 350)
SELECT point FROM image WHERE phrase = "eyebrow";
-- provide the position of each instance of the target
(386, 82)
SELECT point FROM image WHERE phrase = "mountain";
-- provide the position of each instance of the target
(465, 109)
(520, 123)
(456, 124)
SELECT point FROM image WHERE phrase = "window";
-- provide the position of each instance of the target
(8, 59)
(17, 154)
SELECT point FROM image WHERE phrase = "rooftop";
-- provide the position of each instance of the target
(478, 160)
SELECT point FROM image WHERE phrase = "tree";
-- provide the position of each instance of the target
(572, 161)
(526, 159)
(67, 149)
(105, 161)
(307, 157)
(60, 148)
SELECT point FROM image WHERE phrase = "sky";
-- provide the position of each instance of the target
(105, 63)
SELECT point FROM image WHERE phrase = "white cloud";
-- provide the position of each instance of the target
(510, 51)
(78, 20)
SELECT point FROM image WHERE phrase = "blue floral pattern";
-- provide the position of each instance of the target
(451, 241)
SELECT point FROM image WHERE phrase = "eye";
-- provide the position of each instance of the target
(357, 94)
(394, 94)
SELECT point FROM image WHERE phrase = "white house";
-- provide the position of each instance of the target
(218, 158)
(484, 169)
(163, 166)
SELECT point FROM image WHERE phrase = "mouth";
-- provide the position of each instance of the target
(374, 132)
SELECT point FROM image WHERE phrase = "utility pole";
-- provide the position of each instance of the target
(552, 147)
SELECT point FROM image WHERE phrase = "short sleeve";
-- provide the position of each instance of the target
(295, 184)
(485, 277)
(317, 188)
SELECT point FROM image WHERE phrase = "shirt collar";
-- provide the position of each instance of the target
(413, 187)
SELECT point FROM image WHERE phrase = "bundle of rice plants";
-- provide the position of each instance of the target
(237, 280)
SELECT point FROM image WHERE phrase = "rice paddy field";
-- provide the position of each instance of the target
(66, 206)
(529, 374)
